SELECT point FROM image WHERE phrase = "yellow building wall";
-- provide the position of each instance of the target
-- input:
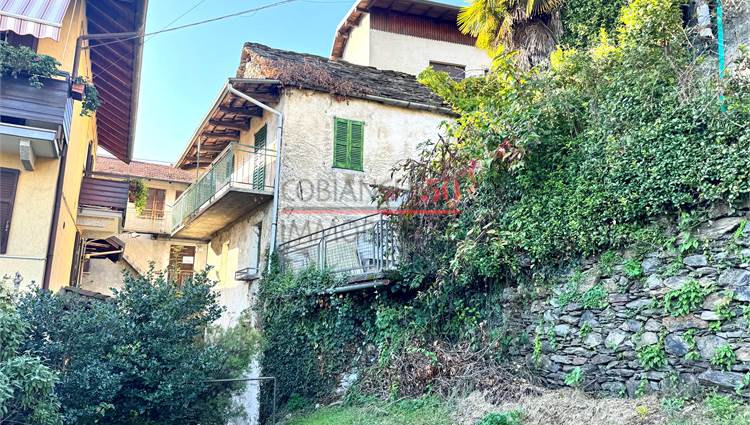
(32, 215)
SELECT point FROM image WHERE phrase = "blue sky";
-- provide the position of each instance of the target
(184, 70)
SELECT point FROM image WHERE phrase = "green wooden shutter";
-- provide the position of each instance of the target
(341, 143)
(356, 141)
(259, 171)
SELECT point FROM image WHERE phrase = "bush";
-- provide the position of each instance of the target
(141, 357)
(26, 385)
(581, 158)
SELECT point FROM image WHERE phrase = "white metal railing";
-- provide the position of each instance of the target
(237, 165)
(366, 245)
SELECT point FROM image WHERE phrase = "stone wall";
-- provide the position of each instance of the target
(607, 317)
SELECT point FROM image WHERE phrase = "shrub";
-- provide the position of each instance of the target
(574, 378)
(26, 385)
(143, 356)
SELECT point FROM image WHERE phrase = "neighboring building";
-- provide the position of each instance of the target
(145, 236)
(49, 204)
(407, 36)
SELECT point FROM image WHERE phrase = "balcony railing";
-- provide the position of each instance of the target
(366, 245)
(238, 167)
(156, 221)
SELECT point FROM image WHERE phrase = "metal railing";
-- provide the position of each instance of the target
(238, 166)
(366, 245)
(149, 220)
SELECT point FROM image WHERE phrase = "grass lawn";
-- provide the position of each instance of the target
(423, 411)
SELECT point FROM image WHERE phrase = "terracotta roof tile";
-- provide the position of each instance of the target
(149, 170)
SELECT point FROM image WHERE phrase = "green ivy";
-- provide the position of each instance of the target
(681, 301)
(652, 356)
(724, 357)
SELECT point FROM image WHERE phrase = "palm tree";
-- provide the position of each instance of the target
(530, 27)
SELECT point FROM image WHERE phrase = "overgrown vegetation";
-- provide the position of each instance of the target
(144, 357)
(546, 167)
(22, 62)
(26, 385)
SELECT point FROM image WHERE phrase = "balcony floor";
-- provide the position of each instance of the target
(228, 205)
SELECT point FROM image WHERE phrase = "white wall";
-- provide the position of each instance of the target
(357, 49)
(411, 54)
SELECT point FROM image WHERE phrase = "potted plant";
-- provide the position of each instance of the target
(81, 89)
(20, 61)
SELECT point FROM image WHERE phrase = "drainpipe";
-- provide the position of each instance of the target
(277, 182)
(720, 36)
(52, 239)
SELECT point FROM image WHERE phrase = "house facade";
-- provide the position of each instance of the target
(407, 36)
(145, 234)
(49, 202)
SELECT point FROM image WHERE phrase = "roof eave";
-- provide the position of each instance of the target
(223, 92)
(136, 81)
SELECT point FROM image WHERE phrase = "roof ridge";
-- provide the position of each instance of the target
(327, 59)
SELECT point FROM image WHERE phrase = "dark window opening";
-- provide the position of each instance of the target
(457, 72)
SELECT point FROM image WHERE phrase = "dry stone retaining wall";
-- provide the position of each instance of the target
(609, 319)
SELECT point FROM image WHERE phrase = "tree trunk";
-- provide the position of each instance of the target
(535, 39)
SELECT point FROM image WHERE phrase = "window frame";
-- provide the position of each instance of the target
(349, 143)
(5, 234)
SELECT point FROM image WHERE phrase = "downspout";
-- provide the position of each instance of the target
(52, 239)
(720, 37)
(277, 180)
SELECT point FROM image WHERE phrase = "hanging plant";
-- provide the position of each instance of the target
(138, 195)
(20, 61)
(87, 93)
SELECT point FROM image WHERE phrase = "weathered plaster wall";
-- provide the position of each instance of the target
(314, 194)
(607, 343)
(103, 275)
(413, 54)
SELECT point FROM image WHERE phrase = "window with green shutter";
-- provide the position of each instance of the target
(348, 144)
(259, 169)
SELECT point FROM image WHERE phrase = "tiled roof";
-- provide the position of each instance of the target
(337, 77)
(148, 170)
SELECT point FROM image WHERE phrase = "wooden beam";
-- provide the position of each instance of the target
(236, 125)
(221, 133)
(253, 112)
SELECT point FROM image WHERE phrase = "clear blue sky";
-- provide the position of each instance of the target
(184, 70)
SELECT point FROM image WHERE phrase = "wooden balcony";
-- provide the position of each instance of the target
(238, 181)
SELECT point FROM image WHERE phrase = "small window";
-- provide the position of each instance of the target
(154, 209)
(348, 144)
(457, 72)
(259, 165)
(8, 184)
